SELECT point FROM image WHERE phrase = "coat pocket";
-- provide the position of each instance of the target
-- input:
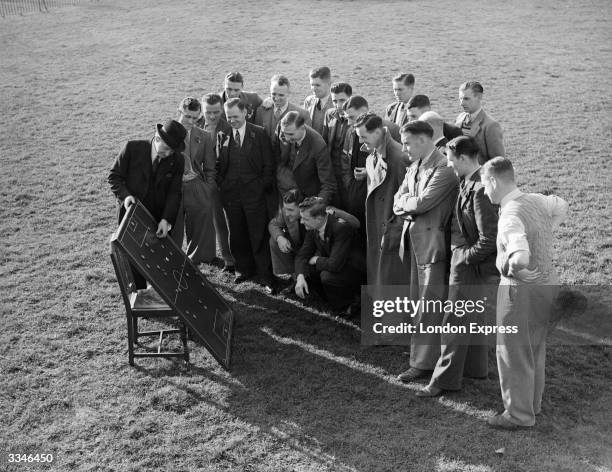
(392, 235)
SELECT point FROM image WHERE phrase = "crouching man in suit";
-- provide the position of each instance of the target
(329, 257)
(287, 234)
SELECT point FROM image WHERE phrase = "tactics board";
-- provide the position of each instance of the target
(179, 282)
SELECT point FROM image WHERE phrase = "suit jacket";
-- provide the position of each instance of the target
(256, 168)
(265, 118)
(203, 157)
(310, 103)
(488, 134)
(312, 170)
(476, 222)
(252, 101)
(391, 113)
(426, 207)
(132, 174)
(338, 250)
(334, 127)
(383, 228)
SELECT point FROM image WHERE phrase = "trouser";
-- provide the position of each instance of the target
(196, 219)
(248, 233)
(521, 356)
(465, 354)
(340, 289)
(282, 262)
(427, 282)
(221, 228)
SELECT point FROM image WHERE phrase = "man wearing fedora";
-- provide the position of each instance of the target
(152, 172)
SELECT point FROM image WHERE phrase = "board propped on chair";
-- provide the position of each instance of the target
(178, 281)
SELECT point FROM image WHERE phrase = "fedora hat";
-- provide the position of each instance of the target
(173, 133)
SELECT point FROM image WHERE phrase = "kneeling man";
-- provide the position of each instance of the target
(329, 257)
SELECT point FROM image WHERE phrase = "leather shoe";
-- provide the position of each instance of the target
(499, 422)
(413, 374)
(430, 391)
(240, 278)
(229, 268)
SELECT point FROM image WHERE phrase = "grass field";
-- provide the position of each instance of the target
(303, 395)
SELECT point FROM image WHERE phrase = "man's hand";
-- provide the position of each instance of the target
(267, 103)
(360, 173)
(301, 286)
(313, 260)
(128, 202)
(163, 228)
(284, 244)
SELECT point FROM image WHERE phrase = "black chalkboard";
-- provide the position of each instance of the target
(179, 282)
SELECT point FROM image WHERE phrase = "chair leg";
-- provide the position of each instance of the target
(130, 327)
(184, 339)
(135, 328)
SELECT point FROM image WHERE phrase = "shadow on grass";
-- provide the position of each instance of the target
(304, 379)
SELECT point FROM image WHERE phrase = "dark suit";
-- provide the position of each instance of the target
(425, 200)
(393, 109)
(244, 175)
(265, 118)
(473, 276)
(132, 174)
(335, 128)
(252, 101)
(160, 192)
(354, 155)
(340, 265)
(311, 171)
(488, 135)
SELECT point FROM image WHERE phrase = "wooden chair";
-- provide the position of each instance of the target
(136, 307)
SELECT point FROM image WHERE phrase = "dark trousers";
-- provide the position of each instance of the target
(465, 354)
(340, 289)
(247, 218)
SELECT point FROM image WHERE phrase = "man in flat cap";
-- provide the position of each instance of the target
(152, 172)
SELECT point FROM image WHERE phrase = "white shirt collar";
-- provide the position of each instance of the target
(322, 228)
(425, 160)
(282, 109)
(324, 100)
(509, 197)
(242, 131)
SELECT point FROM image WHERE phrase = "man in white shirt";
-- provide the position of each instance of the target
(528, 286)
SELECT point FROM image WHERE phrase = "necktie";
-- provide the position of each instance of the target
(375, 158)
(319, 104)
(237, 139)
(416, 175)
(156, 162)
(399, 117)
(277, 113)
